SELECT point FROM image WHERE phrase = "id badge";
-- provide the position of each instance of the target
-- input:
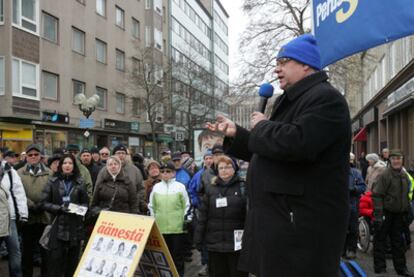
(221, 202)
(66, 199)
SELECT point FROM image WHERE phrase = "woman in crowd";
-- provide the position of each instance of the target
(63, 188)
(376, 167)
(114, 191)
(153, 168)
(222, 212)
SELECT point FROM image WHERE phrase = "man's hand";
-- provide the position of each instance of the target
(256, 117)
(224, 125)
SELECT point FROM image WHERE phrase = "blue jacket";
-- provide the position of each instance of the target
(183, 177)
(356, 188)
(193, 188)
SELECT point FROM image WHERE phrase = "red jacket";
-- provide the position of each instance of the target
(366, 207)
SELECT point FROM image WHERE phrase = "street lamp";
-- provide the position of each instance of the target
(86, 105)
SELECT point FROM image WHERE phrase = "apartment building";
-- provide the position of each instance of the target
(385, 109)
(51, 50)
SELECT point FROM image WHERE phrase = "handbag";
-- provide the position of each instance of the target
(45, 238)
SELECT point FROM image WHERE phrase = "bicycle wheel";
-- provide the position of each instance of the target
(364, 235)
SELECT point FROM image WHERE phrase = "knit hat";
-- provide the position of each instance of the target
(303, 49)
(54, 157)
(168, 165)
(217, 148)
(10, 154)
(85, 150)
(153, 162)
(94, 150)
(119, 147)
(373, 157)
(208, 153)
(72, 147)
(176, 156)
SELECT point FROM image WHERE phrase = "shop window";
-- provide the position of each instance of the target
(50, 27)
(102, 93)
(50, 85)
(25, 15)
(25, 79)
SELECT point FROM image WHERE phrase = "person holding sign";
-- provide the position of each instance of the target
(64, 188)
(169, 203)
(222, 216)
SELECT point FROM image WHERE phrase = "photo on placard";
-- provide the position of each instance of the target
(90, 264)
(120, 250)
(100, 268)
(98, 244)
(124, 271)
(109, 247)
(165, 272)
(110, 270)
(146, 257)
(132, 251)
(159, 258)
(149, 271)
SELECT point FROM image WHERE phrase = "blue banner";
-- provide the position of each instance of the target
(345, 27)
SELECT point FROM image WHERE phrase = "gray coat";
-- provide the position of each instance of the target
(4, 214)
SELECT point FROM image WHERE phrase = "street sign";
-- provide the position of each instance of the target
(86, 123)
(86, 134)
(179, 136)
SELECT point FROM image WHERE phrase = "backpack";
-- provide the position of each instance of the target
(351, 269)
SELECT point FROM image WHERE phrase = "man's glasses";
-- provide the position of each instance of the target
(166, 171)
(104, 154)
(33, 155)
(282, 61)
(225, 168)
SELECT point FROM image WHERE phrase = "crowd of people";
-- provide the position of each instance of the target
(202, 208)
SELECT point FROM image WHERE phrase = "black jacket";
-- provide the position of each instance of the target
(216, 225)
(297, 182)
(68, 227)
(93, 169)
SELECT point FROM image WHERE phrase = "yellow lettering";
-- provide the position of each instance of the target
(342, 16)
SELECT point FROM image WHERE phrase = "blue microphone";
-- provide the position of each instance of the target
(265, 92)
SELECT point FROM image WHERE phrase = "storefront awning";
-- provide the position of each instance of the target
(362, 135)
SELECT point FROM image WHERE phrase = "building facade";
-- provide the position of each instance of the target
(384, 117)
(52, 50)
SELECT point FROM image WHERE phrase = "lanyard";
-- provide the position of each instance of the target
(68, 187)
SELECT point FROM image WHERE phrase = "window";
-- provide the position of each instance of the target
(135, 66)
(120, 60)
(158, 39)
(82, 1)
(135, 28)
(158, 6)
(25, 79)
(78, 87)
(2, 76)
(136, 106)
(101, 7)
(50, 85)
(25, 14)
(147, 4)
(100, 51)
(1, 11)
(120, 103)
(50, 27)
(102, 98)
(78, 41)
(147, 36)
(120, 17)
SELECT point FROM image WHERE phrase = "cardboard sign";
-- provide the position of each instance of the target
(126, 245)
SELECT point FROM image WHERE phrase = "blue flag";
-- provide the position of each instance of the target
(345, 27)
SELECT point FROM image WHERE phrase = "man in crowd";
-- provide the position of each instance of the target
(89, 163)
(298, 174)
(181, 175)
(12, 184)
(390, 195)
(34, 177)
(104, 154)
(385, 156)
(11, 158)
(95, 156)
(84, 172)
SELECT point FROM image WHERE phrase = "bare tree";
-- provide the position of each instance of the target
(148, 80)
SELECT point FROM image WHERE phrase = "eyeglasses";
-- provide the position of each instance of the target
(225, 168)
(282, 61)
(104, 154)
(33, 155)
(166, 171)
(120, 153)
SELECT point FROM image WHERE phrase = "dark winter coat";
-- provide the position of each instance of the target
(216, 225)
(67, 227)
(125, 200)
(356, 188)
(297, 182)
(93, 169)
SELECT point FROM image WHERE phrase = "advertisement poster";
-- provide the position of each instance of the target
(203, 140)
(119, 242)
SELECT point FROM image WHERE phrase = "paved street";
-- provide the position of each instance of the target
(364, 259)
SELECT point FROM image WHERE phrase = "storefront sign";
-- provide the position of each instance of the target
(87, 123)
(133, 141)
(401, 93)
(55, 117)
(368, 117)
(134, 127)
(124, 244)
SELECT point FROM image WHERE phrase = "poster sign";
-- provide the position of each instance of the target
(204, 140)
(126, 245)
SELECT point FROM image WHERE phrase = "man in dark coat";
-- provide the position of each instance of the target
(298, 174)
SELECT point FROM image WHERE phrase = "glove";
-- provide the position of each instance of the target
(63, 209)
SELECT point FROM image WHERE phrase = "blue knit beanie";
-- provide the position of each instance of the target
(303, 49)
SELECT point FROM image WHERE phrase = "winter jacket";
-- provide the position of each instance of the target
(4, 214)
(169, 204)
(366, 207)
(391, 192)
(373, 172)
(297, 182)
(149, 185)
(356, 188)
(183, 177)
(193, 188)
(86, 176)
(68, 226)
(18, 193)
(134, 175)
(216, 225)
(125, 200)
(33, 186)
(93, 169)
